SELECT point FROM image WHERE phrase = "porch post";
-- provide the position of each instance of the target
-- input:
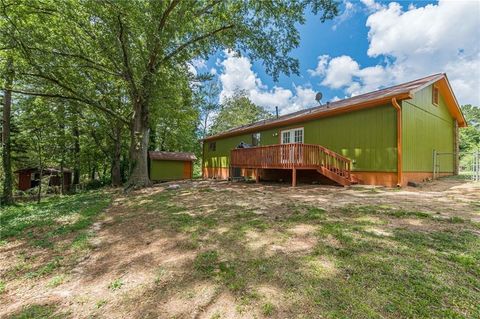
(257, 176)
(294, 177)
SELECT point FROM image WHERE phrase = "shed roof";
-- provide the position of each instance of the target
(383, 96)
(172, 156)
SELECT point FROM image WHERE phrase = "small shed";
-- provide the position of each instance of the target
(30, 177)
(166, 166)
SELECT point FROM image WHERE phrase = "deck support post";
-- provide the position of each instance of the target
(294, 177)
(257, 176)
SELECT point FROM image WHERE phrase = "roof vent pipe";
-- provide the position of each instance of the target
(276, 111)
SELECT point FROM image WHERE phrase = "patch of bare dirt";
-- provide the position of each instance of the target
(154, 263)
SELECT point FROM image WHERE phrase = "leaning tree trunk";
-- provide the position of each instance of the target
(140, 132)
(7, 145)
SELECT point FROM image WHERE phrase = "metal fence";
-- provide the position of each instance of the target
(468, 166)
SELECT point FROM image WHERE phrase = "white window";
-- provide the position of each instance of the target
(256, 139)
(285, 137)
(292, 136)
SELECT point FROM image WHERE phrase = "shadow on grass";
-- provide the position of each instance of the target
(407, 273)
(50, 234)
(350, 272)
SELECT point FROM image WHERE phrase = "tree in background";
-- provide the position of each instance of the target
(236, 111)
(92, 51)
(174, 114)
(7, 195)
(470, 136)
(207, 99)
(39, 136)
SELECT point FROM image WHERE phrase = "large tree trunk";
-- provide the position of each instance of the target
(116, 160)
(140, 132)
(7, 146)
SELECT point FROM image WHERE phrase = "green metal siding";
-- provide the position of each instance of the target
(221, 156)
(366, 136)
(426, 127)
(166, 170)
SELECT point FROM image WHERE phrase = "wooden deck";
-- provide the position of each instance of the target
(295, 156)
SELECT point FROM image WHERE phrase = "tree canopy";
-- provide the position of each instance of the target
(237, 110)
(470, 136)
(121, 70)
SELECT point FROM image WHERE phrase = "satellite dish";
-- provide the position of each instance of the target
(318, 97)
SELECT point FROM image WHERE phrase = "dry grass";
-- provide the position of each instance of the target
(221, 250)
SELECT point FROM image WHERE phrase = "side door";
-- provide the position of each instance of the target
(288, 155)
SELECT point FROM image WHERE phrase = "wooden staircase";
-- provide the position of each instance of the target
(334, 176)
(295, 156)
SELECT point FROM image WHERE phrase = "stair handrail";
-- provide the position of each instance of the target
(291, 155)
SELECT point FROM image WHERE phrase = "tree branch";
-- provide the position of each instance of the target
(152, 60)
(71, 98)
(193, 41)
(99, 144)
(207, 8)
(163, 19)
(128, 74)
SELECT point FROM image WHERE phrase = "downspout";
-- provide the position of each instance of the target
(399, 142)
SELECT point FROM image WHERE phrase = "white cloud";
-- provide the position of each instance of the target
(347, 13)
(340, 71)
(418, 42)
(304, 97)
(335, 98)
(238, 75)
(321, 66)
(344, 72)
(372, 5)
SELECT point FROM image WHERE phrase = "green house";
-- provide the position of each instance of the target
(167, 166)
(388, 137)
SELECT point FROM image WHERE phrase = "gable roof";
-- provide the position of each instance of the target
(380, 97)
(172, 156)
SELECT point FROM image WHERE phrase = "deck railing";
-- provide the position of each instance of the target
(294, 155)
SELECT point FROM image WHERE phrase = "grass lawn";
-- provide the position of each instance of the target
(219, 250)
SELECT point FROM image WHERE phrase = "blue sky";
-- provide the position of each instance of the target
(408, 39)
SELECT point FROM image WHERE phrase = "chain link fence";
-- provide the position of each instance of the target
(469, 167)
